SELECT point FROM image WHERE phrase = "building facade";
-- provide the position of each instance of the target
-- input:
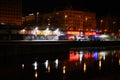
(11, 11)
(108, 24)
(71, 20)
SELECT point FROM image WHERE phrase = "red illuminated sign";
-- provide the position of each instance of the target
(86, 56)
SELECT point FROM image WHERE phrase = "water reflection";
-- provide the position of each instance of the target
(84, 68)
(75, 55)
(46, 64)
(119, 61)
(56, 63)
(36, 74)
(100, 64)
(48, 69)
(35, 64)
(23, 66)
(64, 69)
(83, 62)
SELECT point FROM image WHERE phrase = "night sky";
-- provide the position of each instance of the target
(101, 7)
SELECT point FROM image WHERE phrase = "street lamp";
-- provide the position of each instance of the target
(37, 18)
(65, 19)
(114, 26)
(101, 23)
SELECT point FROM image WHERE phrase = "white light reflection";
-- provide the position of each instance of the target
(81, 56)
(103, 53)
(46, 64)
(35, 64)
(35, 31)
(23, 66)
(57, 31)
(103, 56)
(56, 63)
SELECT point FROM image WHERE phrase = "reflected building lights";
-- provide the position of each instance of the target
(35, 64)
(103, 56)
(81, 57)
(96, 55)
(36, 74)
(84, 67)
(46, 64)
(64, 69)
(48, 68)
(100, 64)
(75, 56)
(100, 57)
(56, 63)
(23, 66)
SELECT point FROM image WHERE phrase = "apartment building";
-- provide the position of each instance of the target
(71, 20)
(11, 11)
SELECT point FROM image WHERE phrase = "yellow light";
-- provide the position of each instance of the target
(64, 69)
(66, 16)
(100, 64)
(86, 18)
(49, 68)
(84, 67)
(100, 57)
(36, 74)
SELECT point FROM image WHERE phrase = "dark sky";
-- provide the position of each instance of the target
(101, 7)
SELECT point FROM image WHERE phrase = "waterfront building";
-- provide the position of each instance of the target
(71, 20)
(11, 11)
(108, 24)
(29, 19)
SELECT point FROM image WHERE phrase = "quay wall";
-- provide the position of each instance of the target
(48, 47)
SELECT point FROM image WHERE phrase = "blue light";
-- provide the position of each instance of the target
(96, 55)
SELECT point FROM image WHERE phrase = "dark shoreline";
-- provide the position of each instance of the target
(16, 47)
(61, 43)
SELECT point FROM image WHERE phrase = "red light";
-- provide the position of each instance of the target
(86, 56)
(73, 56)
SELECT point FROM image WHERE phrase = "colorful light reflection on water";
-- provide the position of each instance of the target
(78, 64)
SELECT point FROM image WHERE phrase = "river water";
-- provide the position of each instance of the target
(83, 63)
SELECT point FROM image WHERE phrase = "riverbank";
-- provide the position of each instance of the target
(15, 47)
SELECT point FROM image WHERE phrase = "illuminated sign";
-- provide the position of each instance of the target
(73, 32)
(90, 33)
(26, 31)
(44, 32)
(86, 56)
